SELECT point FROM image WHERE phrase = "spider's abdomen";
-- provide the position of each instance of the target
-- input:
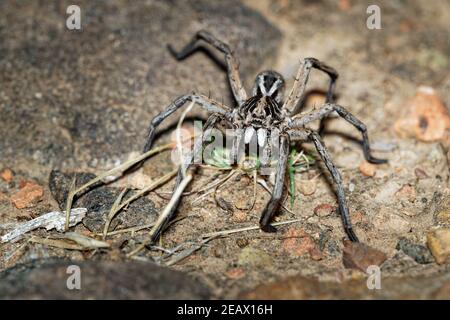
(260, 111)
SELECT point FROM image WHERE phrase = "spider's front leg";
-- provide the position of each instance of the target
(343, 208)
(277, 192)
(232, 65)
(206, 103)
(344, 113)
(301, 79)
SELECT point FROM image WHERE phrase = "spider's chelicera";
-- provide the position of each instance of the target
(263, 116)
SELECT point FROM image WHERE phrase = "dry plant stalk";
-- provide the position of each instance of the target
(56, 243)
(82, 242)
(227, 232)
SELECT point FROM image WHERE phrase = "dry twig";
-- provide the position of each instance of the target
(52, 220)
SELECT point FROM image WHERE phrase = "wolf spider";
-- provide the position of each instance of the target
(263, 112)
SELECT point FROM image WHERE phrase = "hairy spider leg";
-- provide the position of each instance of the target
(344, 113)
(301, 79)
(234, 78)
(277, 191)
(297, 135)
(324, 111)
(206, 103)
(343, 208)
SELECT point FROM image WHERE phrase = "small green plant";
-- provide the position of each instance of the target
(297, 162)
(219, 158)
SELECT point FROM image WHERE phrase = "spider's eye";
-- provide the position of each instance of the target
(269, 83)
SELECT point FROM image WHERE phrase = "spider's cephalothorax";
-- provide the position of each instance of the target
(263, 109)
(263, 112)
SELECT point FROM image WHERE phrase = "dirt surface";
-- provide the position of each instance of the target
(81, 102)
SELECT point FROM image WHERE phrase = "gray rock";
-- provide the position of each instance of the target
(47, 279)
(419, 253)
(99, 200)
(72, 97)
(392, 288)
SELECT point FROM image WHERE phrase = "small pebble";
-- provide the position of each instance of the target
(313, 219)
(218, 252)
(427, 119)
(360, 256)
(344, 5)
(444, 216)
(242, 242)
(298, 243)
(386, 193)
(243, 203)
(6, 175)
(235, 273)
(307, 187)
(439, 243)
(420, 174)
(27, 195)
(419, 253)
(136, 180)
(367, 169)
(224, 205)
(323, 210)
